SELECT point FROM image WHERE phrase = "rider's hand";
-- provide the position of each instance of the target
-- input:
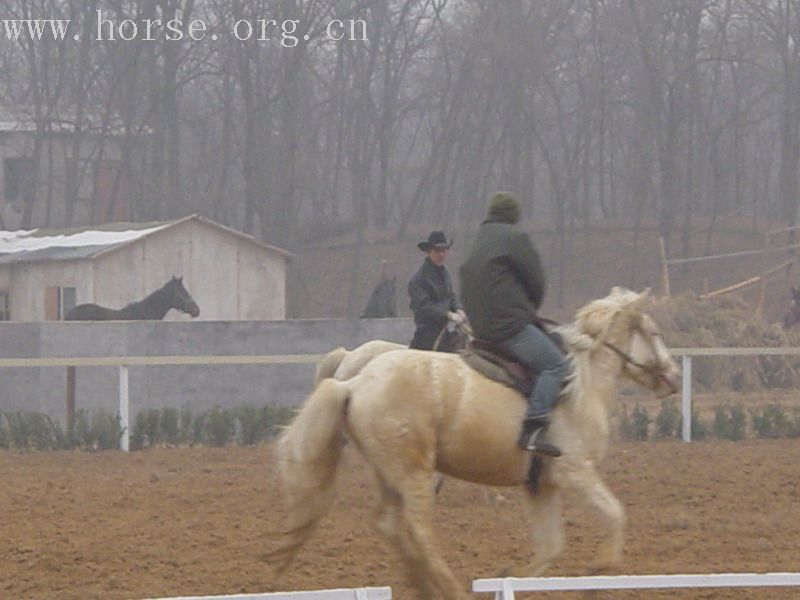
(461, 312)
(455, 317)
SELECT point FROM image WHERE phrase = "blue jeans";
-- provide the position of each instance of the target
(534, 349)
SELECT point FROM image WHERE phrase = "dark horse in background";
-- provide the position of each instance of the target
(793, 316)
(381, 304)
(171, 295)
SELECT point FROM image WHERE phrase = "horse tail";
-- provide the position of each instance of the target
(328, 365)
(308, 455)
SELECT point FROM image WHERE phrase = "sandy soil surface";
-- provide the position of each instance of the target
(190, 521)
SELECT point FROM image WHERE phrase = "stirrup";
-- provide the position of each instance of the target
(535, 443)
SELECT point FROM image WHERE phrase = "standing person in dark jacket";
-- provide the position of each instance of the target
(502, 286)
(433, 300)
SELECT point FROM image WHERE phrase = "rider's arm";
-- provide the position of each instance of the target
(423, 306)
(529, 267)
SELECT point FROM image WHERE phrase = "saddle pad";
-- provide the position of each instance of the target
(492, 366)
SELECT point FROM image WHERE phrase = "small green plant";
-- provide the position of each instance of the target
(186, 422)
(771, 422)
(795, 430)
(722, 422)
(169, 426)
(253, 428)
(220, 426)
(738, 422)
(4, 437)
(276, 417)
(730, 422)
(106, 430)
(32, 430)
(198, 429)
(668, 420)
(700, 429)
(635, 426)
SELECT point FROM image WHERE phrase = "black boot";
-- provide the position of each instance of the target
(532, 437)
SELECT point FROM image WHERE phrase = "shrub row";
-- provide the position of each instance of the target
(730, 422)
(101, 430)
(245, 425)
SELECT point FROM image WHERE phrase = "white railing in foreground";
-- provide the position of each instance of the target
(504, 588)
(367, 593)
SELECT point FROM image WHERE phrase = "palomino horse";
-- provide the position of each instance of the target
(171, 295)
(344, 364)
(411, 412)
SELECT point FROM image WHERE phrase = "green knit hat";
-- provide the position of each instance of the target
(504, 207)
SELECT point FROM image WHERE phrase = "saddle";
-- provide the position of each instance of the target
(493, 362)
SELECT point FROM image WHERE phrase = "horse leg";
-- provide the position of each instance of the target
(612, 515)
(417, 540)
(390, 524)
(547, 531)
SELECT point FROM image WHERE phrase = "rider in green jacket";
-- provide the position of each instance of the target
(502, 287)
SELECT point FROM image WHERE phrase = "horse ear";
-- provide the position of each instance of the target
(638, 302)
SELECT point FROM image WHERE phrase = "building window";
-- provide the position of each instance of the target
(5, 314)
(58, 301)
(17, 178)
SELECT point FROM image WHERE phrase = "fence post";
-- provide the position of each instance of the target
(665, 288)
(686, 398)
(124, 421)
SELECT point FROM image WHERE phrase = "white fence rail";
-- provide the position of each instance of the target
(504, 588)
(124, 362)
(366, 593)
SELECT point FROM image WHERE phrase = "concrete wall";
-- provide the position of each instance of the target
(198, 387)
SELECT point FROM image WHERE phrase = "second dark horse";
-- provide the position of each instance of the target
(171, 295)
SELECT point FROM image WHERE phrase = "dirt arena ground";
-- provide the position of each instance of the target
(191, 521)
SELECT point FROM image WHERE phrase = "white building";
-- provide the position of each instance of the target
(231, 276)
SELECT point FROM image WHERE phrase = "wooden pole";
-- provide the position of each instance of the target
(664, 269)
(747, 282)
(762, 288)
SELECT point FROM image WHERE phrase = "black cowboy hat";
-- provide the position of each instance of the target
(436, 239)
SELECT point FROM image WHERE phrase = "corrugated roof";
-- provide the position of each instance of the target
(88, 242)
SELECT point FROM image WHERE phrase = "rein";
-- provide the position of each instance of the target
(464, 329)
(652, 369)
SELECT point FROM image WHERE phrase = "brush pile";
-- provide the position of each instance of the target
(688, 322)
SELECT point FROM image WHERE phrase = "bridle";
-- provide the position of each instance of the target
(649, 369)
(628, 360)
